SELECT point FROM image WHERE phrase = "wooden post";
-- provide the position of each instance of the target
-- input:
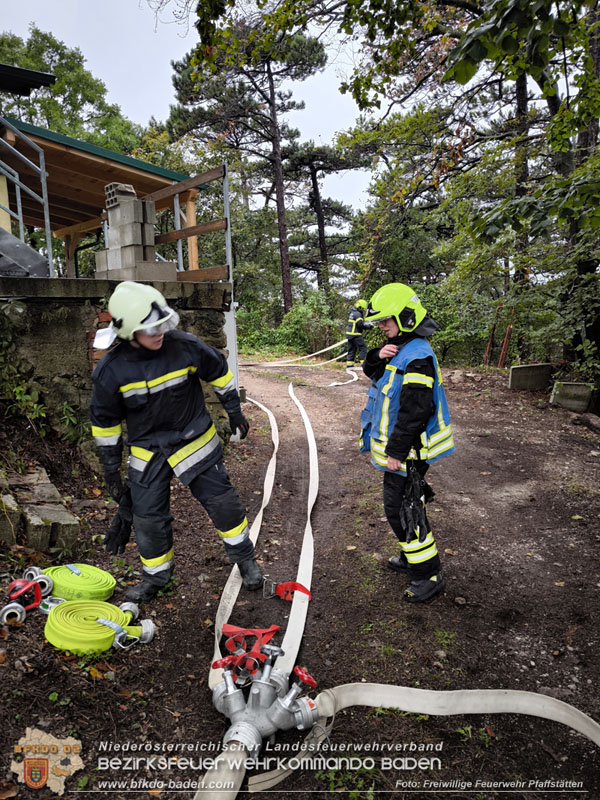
(4, 217)
(490, 344)
(190, 220)
(506, 341)
(70, 245)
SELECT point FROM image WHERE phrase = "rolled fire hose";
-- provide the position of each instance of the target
(424, 701)
(81, 582)
(234, 582)
(84, 626)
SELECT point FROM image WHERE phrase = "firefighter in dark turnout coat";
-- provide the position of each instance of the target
(406, 427)
(151, 380)
(357, 349)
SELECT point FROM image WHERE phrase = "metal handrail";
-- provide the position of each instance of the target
(14, 178)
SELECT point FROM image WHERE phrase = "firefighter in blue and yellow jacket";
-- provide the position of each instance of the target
(151, 380)
(406, 427)
(357, 349)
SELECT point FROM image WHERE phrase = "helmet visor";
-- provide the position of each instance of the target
(160, 320)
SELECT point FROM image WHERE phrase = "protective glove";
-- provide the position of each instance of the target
(119, 531)
(238, 421)
(114, 484)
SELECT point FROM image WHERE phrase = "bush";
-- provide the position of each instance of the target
(307, 328)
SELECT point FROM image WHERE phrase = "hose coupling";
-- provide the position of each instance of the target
(130, 608)
(12, 612)
(122, 640)
(247, 735)
(148, 629)
(48, 603)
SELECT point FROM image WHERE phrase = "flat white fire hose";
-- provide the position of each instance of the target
(229, 769)
(287, 362)
(224, 779)
(295, 628)
(343, 383)
(424, 701)
(234, 582)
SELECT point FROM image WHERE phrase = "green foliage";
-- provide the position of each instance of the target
(76, 104)
(359, 783)
(21, 399)
(307, 328)
(75, 429)
(464, 319)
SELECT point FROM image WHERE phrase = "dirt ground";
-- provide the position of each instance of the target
(517, 522)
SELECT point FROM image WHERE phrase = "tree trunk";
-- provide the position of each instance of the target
(323, 273)
(279, 197)
(587, 138)
(586, 145)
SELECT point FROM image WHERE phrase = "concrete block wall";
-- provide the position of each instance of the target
(130, 238)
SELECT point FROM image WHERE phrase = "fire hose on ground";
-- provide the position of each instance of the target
(66, 582)
(87, 626)
(289, 361)
(271, 705)
(81, 581)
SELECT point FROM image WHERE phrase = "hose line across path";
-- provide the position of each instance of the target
(356, 618)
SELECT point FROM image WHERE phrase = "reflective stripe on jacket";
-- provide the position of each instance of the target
(383, 401)
(355, 324)
(158, 394)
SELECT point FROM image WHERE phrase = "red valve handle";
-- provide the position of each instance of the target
(223, 663)
(304, 677)
(21, 586)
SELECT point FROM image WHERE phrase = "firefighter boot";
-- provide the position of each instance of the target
(251, 574)
(420, 591)
(142, 592)
(398, 563)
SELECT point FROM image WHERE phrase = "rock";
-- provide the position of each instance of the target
(440, 654)
(460, 601)
(50, 525)
(34, 487)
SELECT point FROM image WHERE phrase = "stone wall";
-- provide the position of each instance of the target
(55, 319)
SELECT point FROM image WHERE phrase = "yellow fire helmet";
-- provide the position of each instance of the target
(360, 304)
(138, 307)
(399, 302)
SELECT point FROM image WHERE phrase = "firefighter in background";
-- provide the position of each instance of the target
(357, 349)
(151, 379)
(406, 427)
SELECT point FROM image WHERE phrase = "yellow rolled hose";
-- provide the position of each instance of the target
(81, 582)
(84, 626)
